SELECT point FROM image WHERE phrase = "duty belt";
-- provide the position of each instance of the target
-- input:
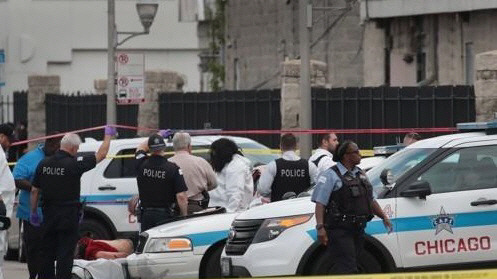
(357, 219)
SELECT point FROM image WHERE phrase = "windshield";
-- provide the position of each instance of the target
(399, 163)
(257, 153)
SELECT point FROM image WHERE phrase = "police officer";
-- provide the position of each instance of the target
(344, 204)
(24, 173)
(323, 157)
(289, 173)
(57, 178)
(160, 184)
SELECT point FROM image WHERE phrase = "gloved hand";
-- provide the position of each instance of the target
(110, 130)
(35, 219)
(165, 133)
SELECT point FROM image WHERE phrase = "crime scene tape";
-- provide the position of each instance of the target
(464, 274)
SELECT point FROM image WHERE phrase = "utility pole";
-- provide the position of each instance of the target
(305, 118)
(111, 64)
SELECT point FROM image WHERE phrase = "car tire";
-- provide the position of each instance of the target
(21, 257)
(213, 264)
(367, 264)
(94, 229)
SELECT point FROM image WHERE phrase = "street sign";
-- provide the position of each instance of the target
(2, 67)
(130, 78)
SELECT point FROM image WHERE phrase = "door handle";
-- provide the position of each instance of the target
(107, 188)
(483, 202)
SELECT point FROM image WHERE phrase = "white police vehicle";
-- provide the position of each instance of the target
(440, 193)
(109, 186)
(189, 248)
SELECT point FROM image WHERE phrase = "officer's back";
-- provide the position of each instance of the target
(161, 185)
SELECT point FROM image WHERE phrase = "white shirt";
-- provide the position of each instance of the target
(324, 163)
(235, 187)
(7, 191)
(267, 176)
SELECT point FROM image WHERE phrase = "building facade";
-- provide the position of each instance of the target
(69, 38)
(261, 34)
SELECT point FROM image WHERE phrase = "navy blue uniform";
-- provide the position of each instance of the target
(158, 183)
(59, 178)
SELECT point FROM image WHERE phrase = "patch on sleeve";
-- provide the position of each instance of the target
(322, 179)
(79, 159)
(180, 172)
(139, 156)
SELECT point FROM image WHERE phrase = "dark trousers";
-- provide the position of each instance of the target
(152, 217)
(59, 237)
(345, 247)
(32, 241)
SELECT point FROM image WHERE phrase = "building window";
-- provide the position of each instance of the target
(470, 63)
(420, 66)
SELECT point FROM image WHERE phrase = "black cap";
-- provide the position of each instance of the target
(8, 131)
(156, 143)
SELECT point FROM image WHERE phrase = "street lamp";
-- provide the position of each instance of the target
(146, 12)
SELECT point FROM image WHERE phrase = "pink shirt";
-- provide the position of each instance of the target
(197, 172)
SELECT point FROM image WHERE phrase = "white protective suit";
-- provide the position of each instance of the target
(7, 192)
(235, 187)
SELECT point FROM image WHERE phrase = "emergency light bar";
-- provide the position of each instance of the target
(489, 127)
(387, 149)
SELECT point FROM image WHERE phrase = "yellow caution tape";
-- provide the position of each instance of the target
(250, 151)
(466, 274)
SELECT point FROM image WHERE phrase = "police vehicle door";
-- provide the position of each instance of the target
(115, 185)
(457, 222)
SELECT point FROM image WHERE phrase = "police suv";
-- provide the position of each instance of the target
(440, 193)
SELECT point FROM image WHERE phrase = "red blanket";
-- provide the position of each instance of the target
(94, 246)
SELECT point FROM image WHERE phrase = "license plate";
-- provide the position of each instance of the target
(226, 267)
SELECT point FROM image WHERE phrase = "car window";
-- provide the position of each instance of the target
(257, 153)
(465, 169)
(399, 163)
(123, 165)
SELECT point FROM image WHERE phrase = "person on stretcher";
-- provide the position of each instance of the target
(92, 249)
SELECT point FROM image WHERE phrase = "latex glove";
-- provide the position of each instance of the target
(110, 130)
(165, 133)
(35, 219)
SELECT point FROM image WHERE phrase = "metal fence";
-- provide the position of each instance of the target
(391, 107)
(74, 112)
(229, 110)
(337, 108)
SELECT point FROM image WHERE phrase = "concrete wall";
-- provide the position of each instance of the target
(69, 38)
(458, 38)
(261, 33)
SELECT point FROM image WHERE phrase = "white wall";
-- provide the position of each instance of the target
(69, 38)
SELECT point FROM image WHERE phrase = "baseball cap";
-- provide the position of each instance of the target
(8, 131)
(156, 143)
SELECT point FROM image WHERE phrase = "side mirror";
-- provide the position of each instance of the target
(387, 178)
(419, 189)
(303, 194)
(289, 195)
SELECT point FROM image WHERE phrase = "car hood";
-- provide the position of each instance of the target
(279, 209)
(216, 223)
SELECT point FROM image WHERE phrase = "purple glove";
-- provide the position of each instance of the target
(165, 133)
(110, 130)
(35, 219)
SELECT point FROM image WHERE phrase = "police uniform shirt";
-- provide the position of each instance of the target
(329, 182)
(59, 176)
(269, 172)
(158, 180)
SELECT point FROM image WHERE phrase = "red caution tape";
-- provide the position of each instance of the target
(264, 132)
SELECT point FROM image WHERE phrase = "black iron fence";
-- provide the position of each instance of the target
(74, 112)
(337, 108)
(229, 110)
(391, 107)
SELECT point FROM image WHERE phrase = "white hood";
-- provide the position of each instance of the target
(279, 209)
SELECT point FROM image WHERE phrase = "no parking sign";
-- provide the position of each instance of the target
(130, 78)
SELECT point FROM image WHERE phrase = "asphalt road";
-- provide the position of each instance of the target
(15, 270)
